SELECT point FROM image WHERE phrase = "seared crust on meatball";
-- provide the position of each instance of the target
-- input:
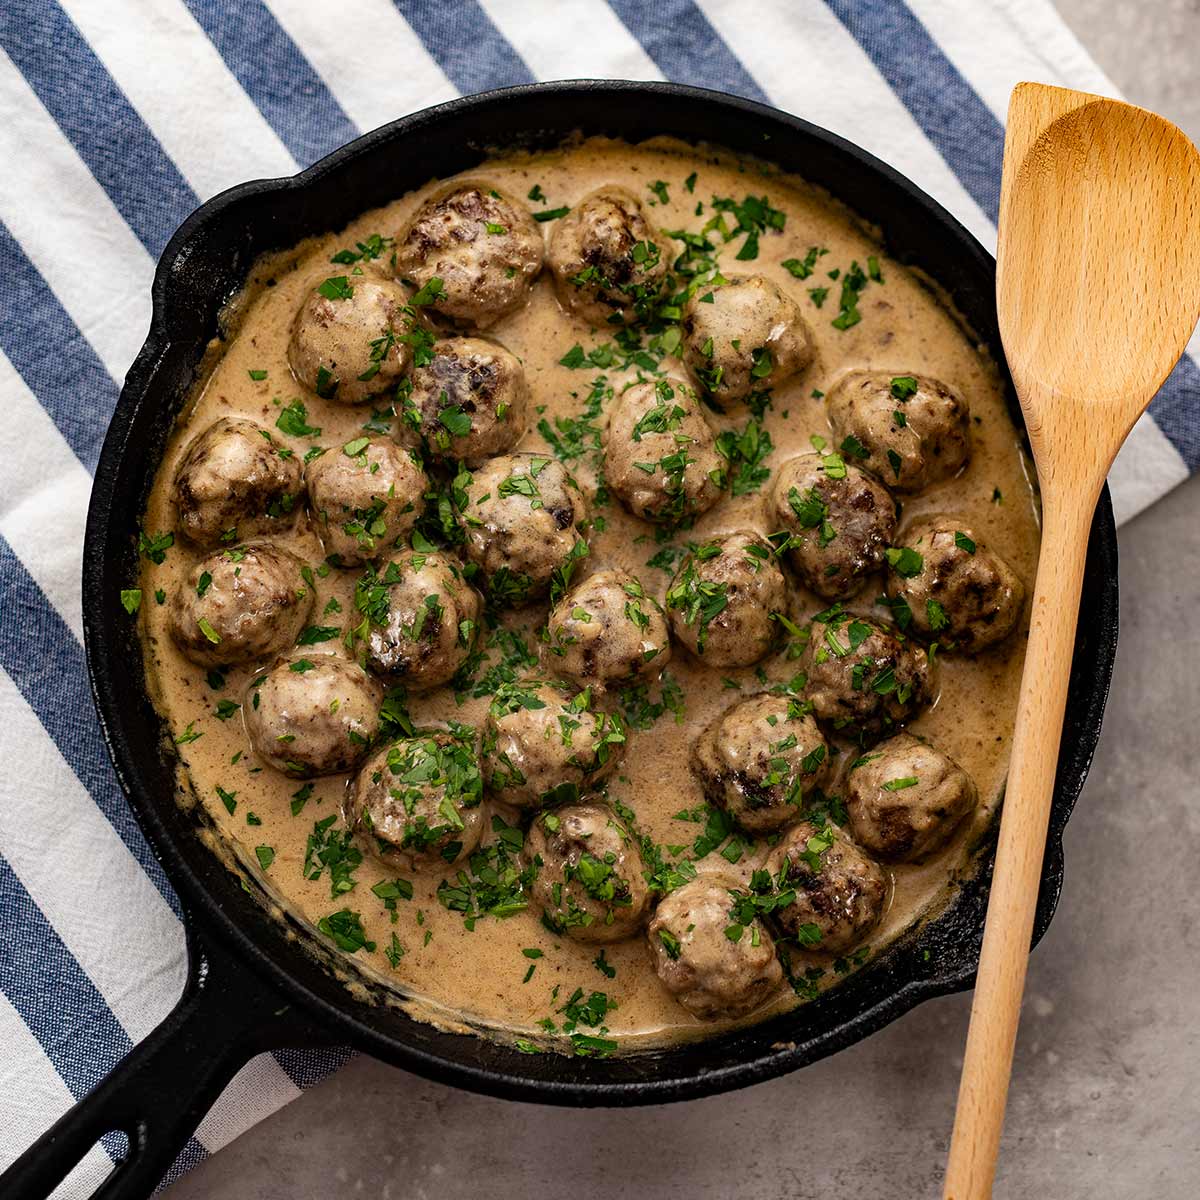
(312, 715)
(607, 633)
(710, 974)
(416, 619)
(722, 599)
(839, 520)
(660, 457)
(759, 759)
(544, 743)
(609, 262)
(366, 502)
(864, 677)
(909, 430)
(959, 593)
(240, 605)
(417, 801)
(524, 519)
(233, 483)
(839, 891)
(483, 246)
(906, 798)
(590, 880)
(467, 403)
(743, 336)
(347, 340)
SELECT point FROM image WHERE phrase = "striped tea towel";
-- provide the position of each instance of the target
(119, 117)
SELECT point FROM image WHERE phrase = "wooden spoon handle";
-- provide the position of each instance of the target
(996, 1008)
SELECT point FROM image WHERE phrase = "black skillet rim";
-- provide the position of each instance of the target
(882, 991)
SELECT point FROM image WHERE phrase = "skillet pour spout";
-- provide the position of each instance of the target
(252, 986)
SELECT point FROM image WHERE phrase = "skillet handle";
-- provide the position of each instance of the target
(158, 1094)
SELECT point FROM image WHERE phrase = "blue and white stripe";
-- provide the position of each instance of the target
(119, 118)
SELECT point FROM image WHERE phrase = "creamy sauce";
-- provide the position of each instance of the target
(449, 973)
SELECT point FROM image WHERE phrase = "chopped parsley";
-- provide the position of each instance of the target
(853, 282)
(905, 561)
(155, 547)
(338, 287)
(803, 268)
(293, 420)
(332, 851)
(345, 927)
(744, 454)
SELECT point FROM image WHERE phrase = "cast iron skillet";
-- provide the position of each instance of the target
(251, 986)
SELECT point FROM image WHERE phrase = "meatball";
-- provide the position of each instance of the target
(312, 716)
(608, 260)
(240, 605)
(544, 743)
(906, 798)
(909, 430)
(839, 521)
(590, 881)
(523, 519)
(607, 633)
(839, 891)
(709, 973)
(365, 498)
(758, 760)
(348, 340)
(722, 600)
(484, 250)
(467, 403)
(864, 677)
(661, 458)
(958, 592)
(417, 801)
(234, 483)
(743, 336)
(416, 620)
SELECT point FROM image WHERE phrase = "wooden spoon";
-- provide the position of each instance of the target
(1098, 291)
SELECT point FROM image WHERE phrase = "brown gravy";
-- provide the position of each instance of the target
(481, 977)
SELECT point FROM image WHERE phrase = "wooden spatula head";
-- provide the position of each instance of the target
(1109, 194)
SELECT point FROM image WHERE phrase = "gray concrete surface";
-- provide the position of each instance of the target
(1106, 1093)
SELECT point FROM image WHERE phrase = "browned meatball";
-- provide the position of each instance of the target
(524, 520)
(348, 340)
(240, 605)
(722, 600)
(416, 619)
(417, 801)
(590, 881)
(906, 798)
(759, 759)
(864, 677)
(909, 430)
(839, 521)
(608, 260)
(839, 891)
(607, 633)
(365, 498)
(660, 458)
(483, 247)
(710, 973)
(312, 715)
(544, 743)
(949, 588)
(743, 336)
(467, 403)
(234, 482)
